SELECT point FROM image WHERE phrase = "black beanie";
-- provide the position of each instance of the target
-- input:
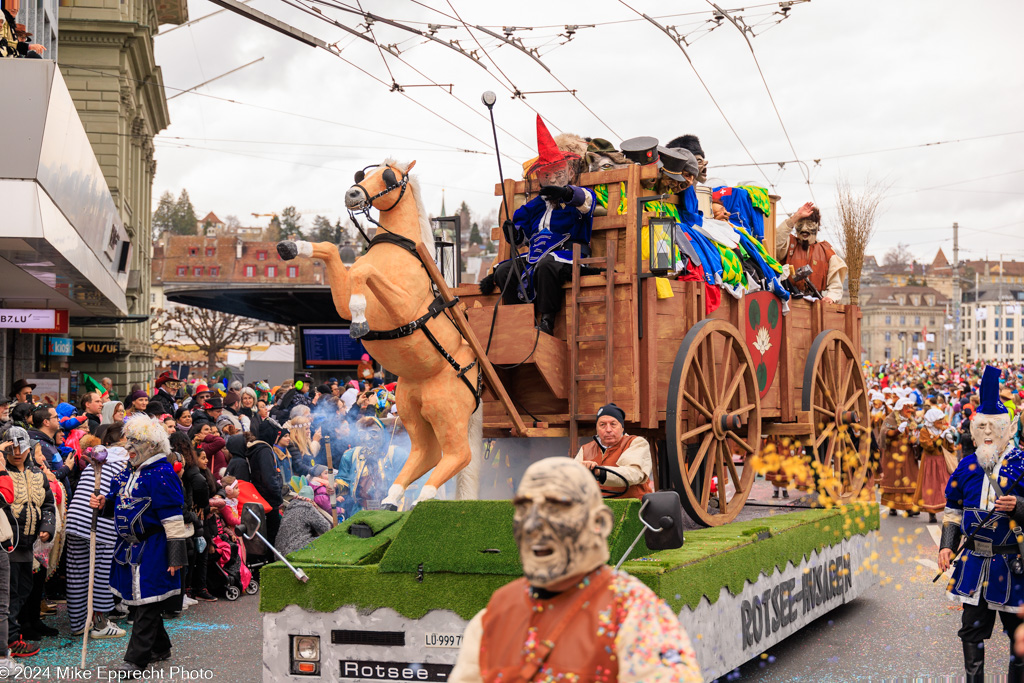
(614, 411)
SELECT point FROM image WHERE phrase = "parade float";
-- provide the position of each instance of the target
(389, 593)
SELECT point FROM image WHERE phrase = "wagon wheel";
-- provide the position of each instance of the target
(714, 411)
(836, 395)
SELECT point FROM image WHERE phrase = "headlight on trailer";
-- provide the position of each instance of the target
(305, 655)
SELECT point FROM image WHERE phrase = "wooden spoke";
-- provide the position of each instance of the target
(829, 415)
(824, 389)
(696, 404)
(740, 412)
(693, 467)
(740, 442)
(846, 384)
(702, 382)
(709, 354)
(824, 435)
(830, 453)
(731, 391)
(726, 366)
(734, 473)
(853, 399)
(694, 432)
(705, 493)
(723, 453)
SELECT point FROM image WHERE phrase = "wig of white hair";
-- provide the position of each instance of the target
(298, 411)
(146, 436)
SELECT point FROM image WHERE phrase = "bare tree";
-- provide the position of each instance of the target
(287, 332)
(211, 331)
(232, 222)
(898, 256)
(857, 212)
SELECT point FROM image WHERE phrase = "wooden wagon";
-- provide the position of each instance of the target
(707, 389)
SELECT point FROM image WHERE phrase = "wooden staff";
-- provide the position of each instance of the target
(95, 457)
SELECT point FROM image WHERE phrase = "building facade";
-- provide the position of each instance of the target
(904, 322)
(993, 324)
(108, 62)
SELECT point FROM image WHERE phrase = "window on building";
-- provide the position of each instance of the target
(917, 337)
(250, 271)
(917, 320)
(996, 322)
(214, 271)
(996, 335)
(278, 337)
(888, 353)
(181, 270)
(903, 320)
(193, 251)
(983, 350)
(210, 251)
(1009, 335)
(983, 335)
(293, 271)
(999, 310)
(888, 320)
(271, 272)
(263, 335)
(888, 336)
(1009, 322)
(197, 271)
(995, 349)
(152, 298)
(1009, 348)
(261, 255)
(931, 321)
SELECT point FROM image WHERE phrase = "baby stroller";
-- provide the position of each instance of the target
(228, 573)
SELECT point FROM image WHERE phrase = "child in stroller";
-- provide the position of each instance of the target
(229, 574)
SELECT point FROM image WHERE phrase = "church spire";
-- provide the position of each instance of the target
(443, 213)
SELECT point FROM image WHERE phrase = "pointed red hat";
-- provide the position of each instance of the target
(549, 154)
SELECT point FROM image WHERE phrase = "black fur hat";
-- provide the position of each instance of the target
(690, 142)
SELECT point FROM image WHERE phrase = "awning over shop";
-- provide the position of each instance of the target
(62, 242)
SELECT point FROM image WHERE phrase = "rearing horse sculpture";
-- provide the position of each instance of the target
(387, 295)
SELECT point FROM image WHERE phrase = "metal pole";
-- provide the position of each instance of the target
(957, 346)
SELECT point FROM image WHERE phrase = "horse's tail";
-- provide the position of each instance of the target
(467, 482)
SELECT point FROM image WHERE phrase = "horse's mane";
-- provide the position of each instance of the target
(426, 233)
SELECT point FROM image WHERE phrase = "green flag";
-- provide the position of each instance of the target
(93, 385)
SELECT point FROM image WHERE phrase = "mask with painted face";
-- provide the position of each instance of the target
(561, 524)
(807, 232)
(991, 434)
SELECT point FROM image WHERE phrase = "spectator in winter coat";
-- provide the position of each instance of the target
(92, 408)
(301, 521)
(263, 473)
(113, 411)
(213, 445)
(45, 425)
(198, 480)
(34, 513)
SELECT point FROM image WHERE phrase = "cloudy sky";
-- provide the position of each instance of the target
(861, 86)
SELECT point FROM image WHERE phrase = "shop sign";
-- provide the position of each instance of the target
(60, 325)
(59, 346)
(97, 348)
(27, 318)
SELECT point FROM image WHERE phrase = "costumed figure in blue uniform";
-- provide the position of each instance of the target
(146, 501)
(988, 575)
(550, 223)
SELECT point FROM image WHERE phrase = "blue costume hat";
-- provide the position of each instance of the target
(989, 391)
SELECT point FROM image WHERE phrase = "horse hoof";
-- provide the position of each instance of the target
(359, 330)
(391, 507)
(287, 250)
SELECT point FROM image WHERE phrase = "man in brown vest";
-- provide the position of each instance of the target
(571, 617)
(629, 457)
(797, 245)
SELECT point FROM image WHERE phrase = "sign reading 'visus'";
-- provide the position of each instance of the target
(777, 607)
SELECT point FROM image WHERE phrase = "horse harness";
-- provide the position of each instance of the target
(436, 308)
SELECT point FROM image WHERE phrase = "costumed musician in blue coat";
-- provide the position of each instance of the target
(988, 576)
(551, 223)
(145, 500)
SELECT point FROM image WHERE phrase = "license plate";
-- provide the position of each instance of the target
(434, 639)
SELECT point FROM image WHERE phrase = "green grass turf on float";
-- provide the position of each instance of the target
(338, 547)
(340, 570)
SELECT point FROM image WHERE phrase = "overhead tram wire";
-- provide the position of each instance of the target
(407, 63)
(369, 29)
(454, 148)
(730, 19)
(705, 86)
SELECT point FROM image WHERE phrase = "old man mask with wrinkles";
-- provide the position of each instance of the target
(561, 523)
(991, 434)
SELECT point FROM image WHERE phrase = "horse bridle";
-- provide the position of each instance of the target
(390, 184)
